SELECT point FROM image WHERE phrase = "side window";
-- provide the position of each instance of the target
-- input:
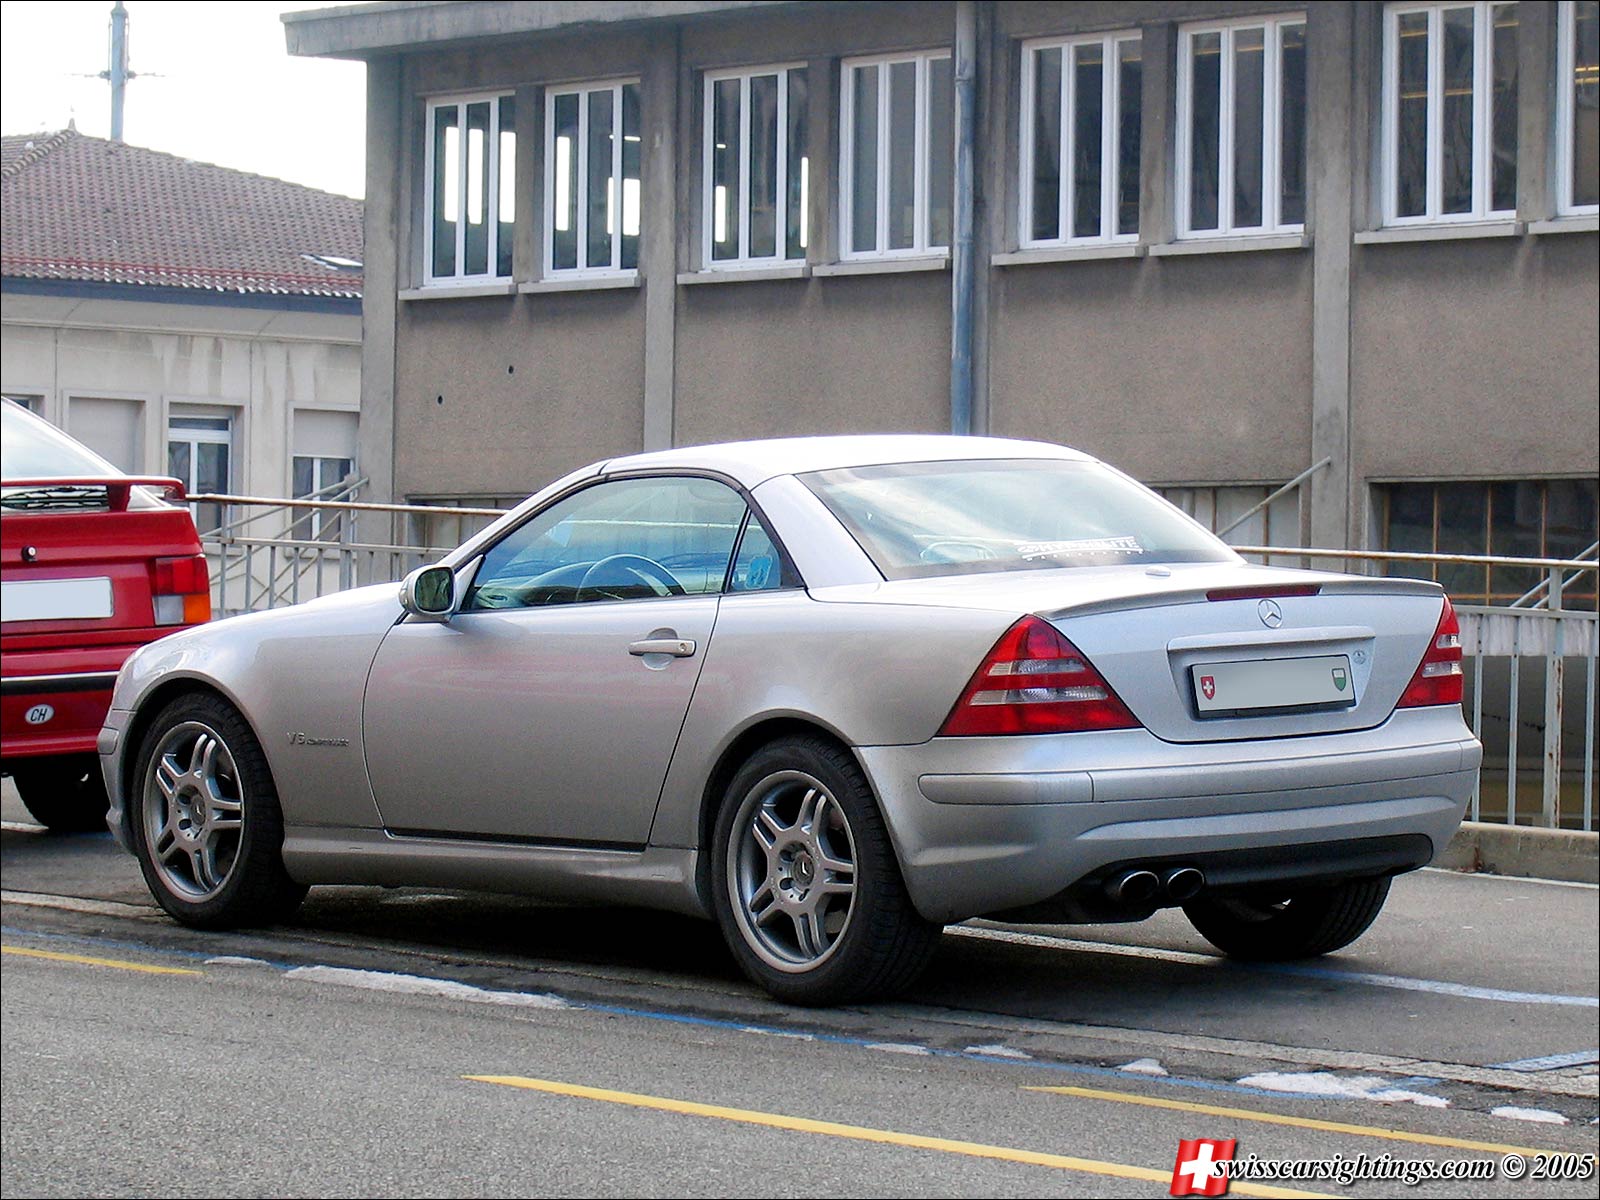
(759, 566)
(630, 539)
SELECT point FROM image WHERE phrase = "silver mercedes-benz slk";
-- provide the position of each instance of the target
(832, 692)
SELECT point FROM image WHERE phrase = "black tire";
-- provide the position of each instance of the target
(868, 944)
(176, 832)
(1300, 924)
(65, 795)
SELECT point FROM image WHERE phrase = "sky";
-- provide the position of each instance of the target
(215, 84)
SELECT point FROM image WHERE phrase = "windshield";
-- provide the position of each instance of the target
(32, 448)
(917, 520)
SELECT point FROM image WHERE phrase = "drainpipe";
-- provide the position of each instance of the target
(963, 270)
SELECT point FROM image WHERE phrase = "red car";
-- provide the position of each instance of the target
(93, 564)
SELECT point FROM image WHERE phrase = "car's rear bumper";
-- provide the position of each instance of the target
(54, 701)
(984, 825)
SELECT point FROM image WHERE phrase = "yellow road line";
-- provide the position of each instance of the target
(862, 1133)
(120, 964)
(1267, 1118)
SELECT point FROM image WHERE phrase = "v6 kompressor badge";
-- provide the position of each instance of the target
(305, 739)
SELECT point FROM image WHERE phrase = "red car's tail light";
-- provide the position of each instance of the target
(1035, 681)
(181, 590)
(1438, 679)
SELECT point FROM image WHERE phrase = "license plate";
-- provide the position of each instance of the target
(55, 600)
(1274, 683)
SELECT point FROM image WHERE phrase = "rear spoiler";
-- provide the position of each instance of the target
(118, 487)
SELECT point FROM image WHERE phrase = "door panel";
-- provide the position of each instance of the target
(543, 723)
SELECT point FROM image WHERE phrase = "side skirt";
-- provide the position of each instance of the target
(654, 877)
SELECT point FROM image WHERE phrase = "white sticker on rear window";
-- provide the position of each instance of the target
(1080, 546)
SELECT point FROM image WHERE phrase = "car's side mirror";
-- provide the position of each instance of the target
(429, 593)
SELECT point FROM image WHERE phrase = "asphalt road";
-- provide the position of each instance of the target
(420, 1043)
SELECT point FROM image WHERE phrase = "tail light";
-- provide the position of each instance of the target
(1035, 681)
(181, 590)
(1438, 679)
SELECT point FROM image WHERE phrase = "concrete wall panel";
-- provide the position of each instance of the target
(852, 354)
(1141, 362)
(498, 396)
(1475, 358)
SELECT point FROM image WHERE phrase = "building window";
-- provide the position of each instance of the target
(1449, 112)
(198, 453)
(1578, 107)
(591, 145)
(1242, 127)
(1511, 518)
(756, 176)
(471, 188)
(1080, 140)
(898, 118)
(318, 478)
(1236, 509)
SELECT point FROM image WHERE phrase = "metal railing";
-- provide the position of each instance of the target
(262, 557)
(1523, 695)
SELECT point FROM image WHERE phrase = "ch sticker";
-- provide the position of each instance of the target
(39, 714)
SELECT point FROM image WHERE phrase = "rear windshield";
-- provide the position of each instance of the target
(916, 520)
(32, 448)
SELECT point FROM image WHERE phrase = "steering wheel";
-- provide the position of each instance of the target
(661, 580)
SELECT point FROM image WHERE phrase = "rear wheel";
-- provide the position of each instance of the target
(806, 886)
(206, 823)
(65, 795)
(1301, 924)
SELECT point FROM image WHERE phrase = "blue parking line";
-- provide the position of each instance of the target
(674, 1018)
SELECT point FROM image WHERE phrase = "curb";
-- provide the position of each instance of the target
(1524, 851)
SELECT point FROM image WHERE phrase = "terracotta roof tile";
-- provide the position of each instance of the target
(84, 208)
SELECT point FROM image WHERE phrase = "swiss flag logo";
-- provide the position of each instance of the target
(1208, 687)
(1195, 1173)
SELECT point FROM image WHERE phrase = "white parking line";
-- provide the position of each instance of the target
(1371, 979)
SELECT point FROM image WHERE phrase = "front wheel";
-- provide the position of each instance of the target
(1301, 924)
(65, 795)
(806, 886)
(207, 828)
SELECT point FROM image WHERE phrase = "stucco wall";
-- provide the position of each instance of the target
(1142, 362)
(258, 366)
(1475, 358)
(840, 355)
(498, 396)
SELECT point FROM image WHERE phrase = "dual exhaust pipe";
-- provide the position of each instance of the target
(1142, 886)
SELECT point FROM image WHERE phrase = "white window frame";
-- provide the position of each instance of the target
(1110, 139)
(459, 102)
(320, 522)
(920, 246)
(1271, 124)
(708, 208)
(1566, 52)
(194, 439)
(583, 90)
(1482, 114)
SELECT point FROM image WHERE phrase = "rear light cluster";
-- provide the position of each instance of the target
(1035, 681)
(181, 590)
(1438, 679)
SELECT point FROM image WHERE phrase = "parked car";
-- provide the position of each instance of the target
(93, 563)
(834, 693)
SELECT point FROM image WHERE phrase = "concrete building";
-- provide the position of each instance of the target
(182, 318)
(1223, 245)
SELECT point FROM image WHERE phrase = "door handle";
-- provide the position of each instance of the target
(677, 647)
